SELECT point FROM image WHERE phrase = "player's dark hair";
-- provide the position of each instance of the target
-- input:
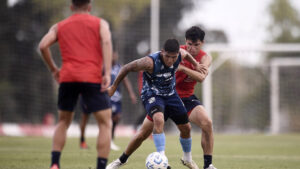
(195, 33)
(80, 3)
(171, 45)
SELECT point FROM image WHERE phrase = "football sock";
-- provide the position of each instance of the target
(160, 141)
(123, 158)
(55, 156)
(207, 160)
(101, 163)
(82, 139)
(186, 144)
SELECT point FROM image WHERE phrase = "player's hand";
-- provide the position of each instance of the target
(202, 68)
(180, 67)
(105, 82)
(111, 90)
(55, 75)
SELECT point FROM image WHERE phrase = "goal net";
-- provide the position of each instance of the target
(251, 90)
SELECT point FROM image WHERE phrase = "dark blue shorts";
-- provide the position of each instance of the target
(190, 103)
(116, 107)
(93, 99)
(171, 106)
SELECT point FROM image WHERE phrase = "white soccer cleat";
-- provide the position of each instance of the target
(190, 165)
(115, 164)
(211, 167)
(114, 147)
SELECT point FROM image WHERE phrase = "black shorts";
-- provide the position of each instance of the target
(190, 103)
(93, 99)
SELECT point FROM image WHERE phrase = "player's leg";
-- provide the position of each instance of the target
(176, 111)
(99, 103)
(67, 98)
(103, 119)
(199, 117)
(116, 116)
(134, 144)
(83, 122)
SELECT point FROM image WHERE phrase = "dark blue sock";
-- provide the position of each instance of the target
(101, 163)
(207, 160)
(55, 156)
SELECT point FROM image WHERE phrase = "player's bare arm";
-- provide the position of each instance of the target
(195, 75)
(130, 90)
(143, 64)
(107, 53)
(49, 39)
(186, 55)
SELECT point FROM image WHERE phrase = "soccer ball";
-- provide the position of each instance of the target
(156, 160)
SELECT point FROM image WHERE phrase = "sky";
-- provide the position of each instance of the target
(244, 21)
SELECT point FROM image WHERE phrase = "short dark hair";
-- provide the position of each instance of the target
(171, 45)
(195, 33)
(80, 3)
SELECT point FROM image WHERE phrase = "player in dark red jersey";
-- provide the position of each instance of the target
(186, 79)
(86, 49)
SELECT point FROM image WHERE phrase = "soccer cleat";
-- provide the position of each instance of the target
(54, 166)
(83, 145)
(211, 167)
(190, 165)
(169, 167)
(115, 164)
(114, 147)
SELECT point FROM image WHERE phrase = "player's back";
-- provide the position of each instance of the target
(79, 41)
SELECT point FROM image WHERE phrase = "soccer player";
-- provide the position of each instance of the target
(115, 104)
(159, 96)
(186, 78)
(86, 48)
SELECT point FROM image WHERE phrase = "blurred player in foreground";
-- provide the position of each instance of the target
(159, 96)
(115, 104)
(186, 78)
(85, 45)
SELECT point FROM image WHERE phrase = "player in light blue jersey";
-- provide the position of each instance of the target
(159, 96)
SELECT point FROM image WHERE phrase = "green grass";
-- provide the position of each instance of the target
(230, 152)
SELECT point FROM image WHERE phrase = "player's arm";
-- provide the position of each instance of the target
(195, 75)
(187, 56)
(128, 86)
(143, 64)
(49, 39)
(107, 53)
(206, 60)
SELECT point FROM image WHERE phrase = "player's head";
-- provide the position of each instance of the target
(84, 5)
(194, 38)
(170, 52)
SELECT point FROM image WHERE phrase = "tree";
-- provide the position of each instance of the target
(285, 23)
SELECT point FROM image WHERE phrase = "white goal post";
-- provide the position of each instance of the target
(226, 52)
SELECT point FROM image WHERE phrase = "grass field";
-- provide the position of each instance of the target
(231, 152)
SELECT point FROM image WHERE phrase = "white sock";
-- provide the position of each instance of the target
(187, 156)
(162, 152)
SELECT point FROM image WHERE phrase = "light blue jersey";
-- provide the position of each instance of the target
(161, 81)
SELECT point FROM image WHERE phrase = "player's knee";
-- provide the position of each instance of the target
(158, 120)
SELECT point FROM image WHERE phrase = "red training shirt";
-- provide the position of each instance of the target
(80, 45)
(184, 84)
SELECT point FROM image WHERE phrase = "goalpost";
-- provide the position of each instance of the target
(250, 94)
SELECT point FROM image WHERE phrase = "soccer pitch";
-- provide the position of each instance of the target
(230, 152)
